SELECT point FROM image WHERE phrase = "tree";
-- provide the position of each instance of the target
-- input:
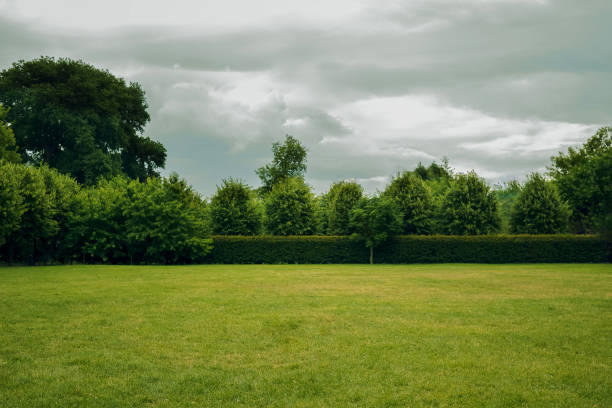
(79, 119)
(414, 200)
(343, 196)
(374, 220)
(8, 149)
(538, 209)
(469, 207)
(584, 179)
(289, 161)
(289, 208)
(234, 210)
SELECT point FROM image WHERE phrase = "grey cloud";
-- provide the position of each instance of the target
(515, 62)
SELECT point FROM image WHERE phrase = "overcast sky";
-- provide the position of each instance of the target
(370, 87)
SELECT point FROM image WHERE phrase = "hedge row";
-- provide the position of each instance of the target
(410, 249)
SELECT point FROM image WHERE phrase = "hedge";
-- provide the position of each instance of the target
(410, 249)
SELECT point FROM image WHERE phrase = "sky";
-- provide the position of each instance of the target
(369, 87)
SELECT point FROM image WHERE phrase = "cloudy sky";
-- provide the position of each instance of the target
(370, 87)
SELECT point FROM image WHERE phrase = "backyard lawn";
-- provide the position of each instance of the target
(306, 335)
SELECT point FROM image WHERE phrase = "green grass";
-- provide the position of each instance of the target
(306, 335)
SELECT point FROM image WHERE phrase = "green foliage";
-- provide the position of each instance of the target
(469, 207)
(234, 210)
(165, 222)
(413, 198)
(46, 217)
(584, 178)
(506, 195)
(342, 196)
(411, 249)
(79, 119)
(8, 149)
(12, 204)
(289, 161)
(156, 221)
(539, 209)
(321, 217)
(64, 191)
(101, 231)
(289, 208)
(373, 220)
(38, 223)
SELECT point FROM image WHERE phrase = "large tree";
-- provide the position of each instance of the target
(289, 161)
(79, 119)
(584, 178)
(469, 207)
(538, 208)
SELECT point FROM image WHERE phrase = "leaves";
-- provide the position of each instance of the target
(469, 207)
(78, 119)
(538, 209)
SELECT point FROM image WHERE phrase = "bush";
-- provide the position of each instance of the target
(411, 249)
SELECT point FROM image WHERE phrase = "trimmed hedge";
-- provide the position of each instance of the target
(303, 249)
(410, 249)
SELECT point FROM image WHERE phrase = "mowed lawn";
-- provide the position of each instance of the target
(306, 335)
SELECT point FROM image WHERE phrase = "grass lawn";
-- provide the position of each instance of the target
(306, 335)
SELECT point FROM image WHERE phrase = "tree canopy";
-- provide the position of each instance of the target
(78, 119)
(342, 196)
(374, 220)
(234, 210)
(289, 208)
(469, 207)
(538, 209)
(584, 178)
(289, 161)
(413, 198)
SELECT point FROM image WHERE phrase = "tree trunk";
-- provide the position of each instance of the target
(371, 255)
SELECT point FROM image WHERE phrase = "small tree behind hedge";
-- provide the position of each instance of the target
(538, 209)
(373, 221)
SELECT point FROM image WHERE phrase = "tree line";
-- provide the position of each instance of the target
(78, 181)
